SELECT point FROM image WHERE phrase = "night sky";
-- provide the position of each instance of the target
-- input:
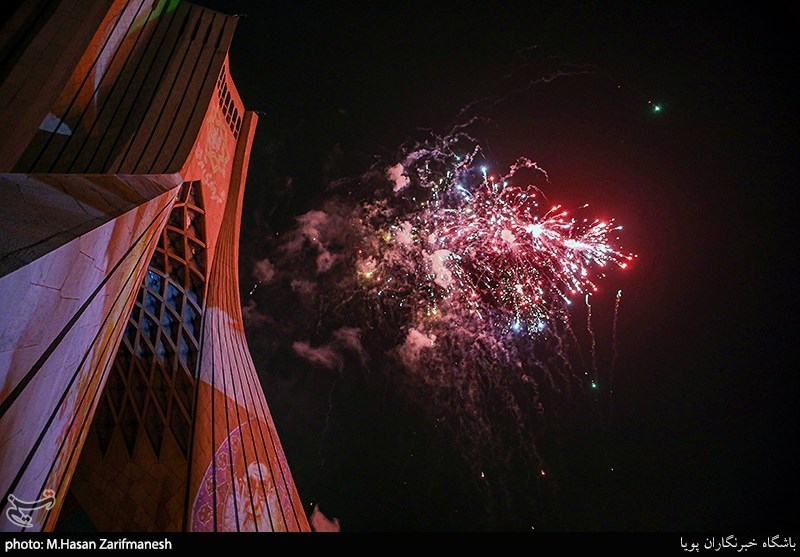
(705, 421)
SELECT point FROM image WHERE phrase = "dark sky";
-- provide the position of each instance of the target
(706, 423)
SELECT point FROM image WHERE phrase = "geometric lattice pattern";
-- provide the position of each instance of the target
(229, 110)
(152, 383)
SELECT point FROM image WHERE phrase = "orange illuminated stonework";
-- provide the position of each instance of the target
(128, 396)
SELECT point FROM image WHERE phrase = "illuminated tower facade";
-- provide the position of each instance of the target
(126, 384)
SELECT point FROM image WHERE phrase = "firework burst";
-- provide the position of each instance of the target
(455, 286)
(484, 247)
